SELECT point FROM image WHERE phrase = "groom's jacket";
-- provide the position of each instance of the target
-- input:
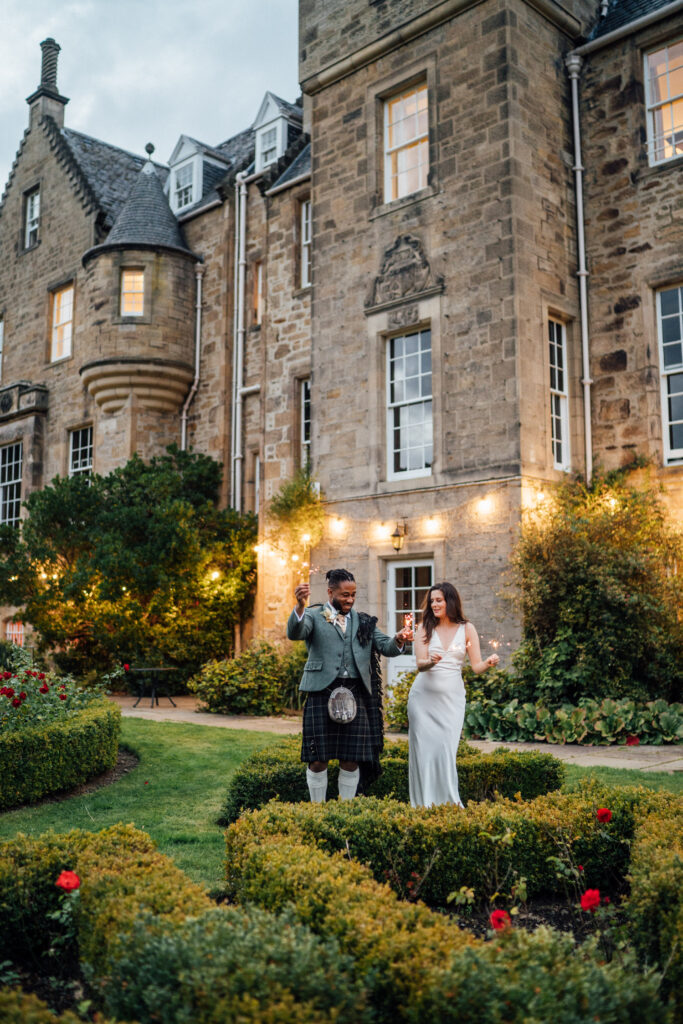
(325, 643)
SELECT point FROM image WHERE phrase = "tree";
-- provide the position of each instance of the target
(140, 565)
(596, 571)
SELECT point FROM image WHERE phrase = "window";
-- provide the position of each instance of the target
(670, 330)
(305, 421)
(10, 484)
(183, 189)
(409, 404)
(267, 147)
(62, 322)
(559, 395)
(257, 297)
(31, 218)
(80, 451)
(14, 632)
(2, 342)
(132, 292)
(257, 483)
(305, 243)
(664, 97)
(408, 586)
(406, 143)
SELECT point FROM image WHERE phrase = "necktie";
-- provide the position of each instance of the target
(341, 622)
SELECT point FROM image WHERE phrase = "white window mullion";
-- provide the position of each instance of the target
(11, 462)
(409, 406)
(559, 395)
(80, 452)
(306, 243)
(664, 102)
(305, 422)
(670, 337)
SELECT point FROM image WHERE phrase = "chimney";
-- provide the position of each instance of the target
(46, 101)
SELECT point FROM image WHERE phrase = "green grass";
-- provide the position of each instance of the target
(174, 794)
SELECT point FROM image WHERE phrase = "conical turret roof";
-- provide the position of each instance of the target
(145, 221)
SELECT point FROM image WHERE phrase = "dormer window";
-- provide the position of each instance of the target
(183, 186)
(276, 124)
(268, 147)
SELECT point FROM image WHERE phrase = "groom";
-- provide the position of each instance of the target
(341, 644)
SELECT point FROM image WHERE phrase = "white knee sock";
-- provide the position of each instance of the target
(317, 785)
(348, 783)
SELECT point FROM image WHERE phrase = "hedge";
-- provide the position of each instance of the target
(262, 680)
(40, 760)
(278, 772)
(17, 1007)
(147, 937)
(419, 966)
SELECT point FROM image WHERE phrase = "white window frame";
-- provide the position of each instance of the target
(257, 483)
(657, 142)
(81, 451)
(305, 421)
(130, 278)
(11, 469)
(392, 406)
(31, 218)
(404, 662)
(392, 153)
(279, 125)
(305, 256)
(671, 455)
(62, 321)
(184, 195)
(559, 395)
(14, 632)
(257, 297)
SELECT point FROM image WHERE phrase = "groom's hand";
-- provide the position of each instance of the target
(405, 636)
(302, 593)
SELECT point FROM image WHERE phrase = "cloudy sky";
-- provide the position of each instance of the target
(139, 71)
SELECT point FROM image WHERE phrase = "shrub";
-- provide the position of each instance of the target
(278, 773)
(262, 680)
(600, 596)
(487, 848)
(17, 1007)
(29, 698)
(45, 758)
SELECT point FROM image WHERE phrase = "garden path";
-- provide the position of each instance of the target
(648, 759)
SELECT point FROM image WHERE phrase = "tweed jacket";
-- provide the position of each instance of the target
(325, 643)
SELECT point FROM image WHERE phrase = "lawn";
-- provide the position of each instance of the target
(176, 792)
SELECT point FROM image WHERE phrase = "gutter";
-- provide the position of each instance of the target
(627, 30)
(199, 274)
(289, 184)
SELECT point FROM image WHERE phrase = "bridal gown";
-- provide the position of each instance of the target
(436, 711)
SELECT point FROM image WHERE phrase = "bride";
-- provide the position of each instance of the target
(436, 703)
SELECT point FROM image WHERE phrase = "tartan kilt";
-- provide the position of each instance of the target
(325, 740)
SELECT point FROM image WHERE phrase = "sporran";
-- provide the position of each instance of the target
(342, 706)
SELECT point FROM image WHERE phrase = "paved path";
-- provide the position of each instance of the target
(647, 759)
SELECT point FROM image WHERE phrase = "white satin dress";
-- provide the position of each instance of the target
(436, 712)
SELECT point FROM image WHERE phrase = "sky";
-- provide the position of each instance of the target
(139, 71)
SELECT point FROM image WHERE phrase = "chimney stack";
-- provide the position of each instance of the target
(46, 100)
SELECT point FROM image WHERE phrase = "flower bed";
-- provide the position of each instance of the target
(53, 736)
(589, 722)
(278, 772)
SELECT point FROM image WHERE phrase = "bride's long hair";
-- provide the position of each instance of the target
(453, 608)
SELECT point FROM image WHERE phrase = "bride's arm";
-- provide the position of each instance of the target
(474, 651)
(423, 658)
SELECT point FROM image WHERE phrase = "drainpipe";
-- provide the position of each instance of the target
(199, 274)
(574, 62)
(238, 358)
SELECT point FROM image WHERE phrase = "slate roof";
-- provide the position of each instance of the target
(145, 219)
(110, 172)
(300, 165)
(623, 12)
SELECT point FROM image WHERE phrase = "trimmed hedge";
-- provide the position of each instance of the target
(487, 848)
(262, 680)
(147, 937)
(278, 773)
(17, 1007)
(418, 964)
(40, 760)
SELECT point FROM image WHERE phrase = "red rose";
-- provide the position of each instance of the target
(126, 668)
(590, 899)
(3, 691)
(580, 866)
(44, 688)
(22, 695)
(62, 696)
(9, 692)
(6, 675)
(16, 703)
(68, 881)
(604, 814)
(41, 675)
(632, 741)
(500, 920)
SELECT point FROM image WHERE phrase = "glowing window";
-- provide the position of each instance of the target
(406, 143)
(132, 292)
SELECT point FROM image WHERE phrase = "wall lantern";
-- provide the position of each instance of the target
(398, 536)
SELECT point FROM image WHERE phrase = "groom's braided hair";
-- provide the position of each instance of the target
(336, 576)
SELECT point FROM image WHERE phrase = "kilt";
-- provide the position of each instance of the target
(325, 740)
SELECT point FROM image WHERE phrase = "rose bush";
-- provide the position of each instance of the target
(30, 698)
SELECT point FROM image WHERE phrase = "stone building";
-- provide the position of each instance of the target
(450, 276)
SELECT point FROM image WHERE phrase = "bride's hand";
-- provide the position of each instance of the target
(492, 661)
(435, 658)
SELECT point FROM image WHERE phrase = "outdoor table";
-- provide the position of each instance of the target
(152, 675)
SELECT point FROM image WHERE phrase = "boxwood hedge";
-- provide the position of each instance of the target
(278, 772)
(40, 760)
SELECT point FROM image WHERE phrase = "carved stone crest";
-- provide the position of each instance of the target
(405, 273)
